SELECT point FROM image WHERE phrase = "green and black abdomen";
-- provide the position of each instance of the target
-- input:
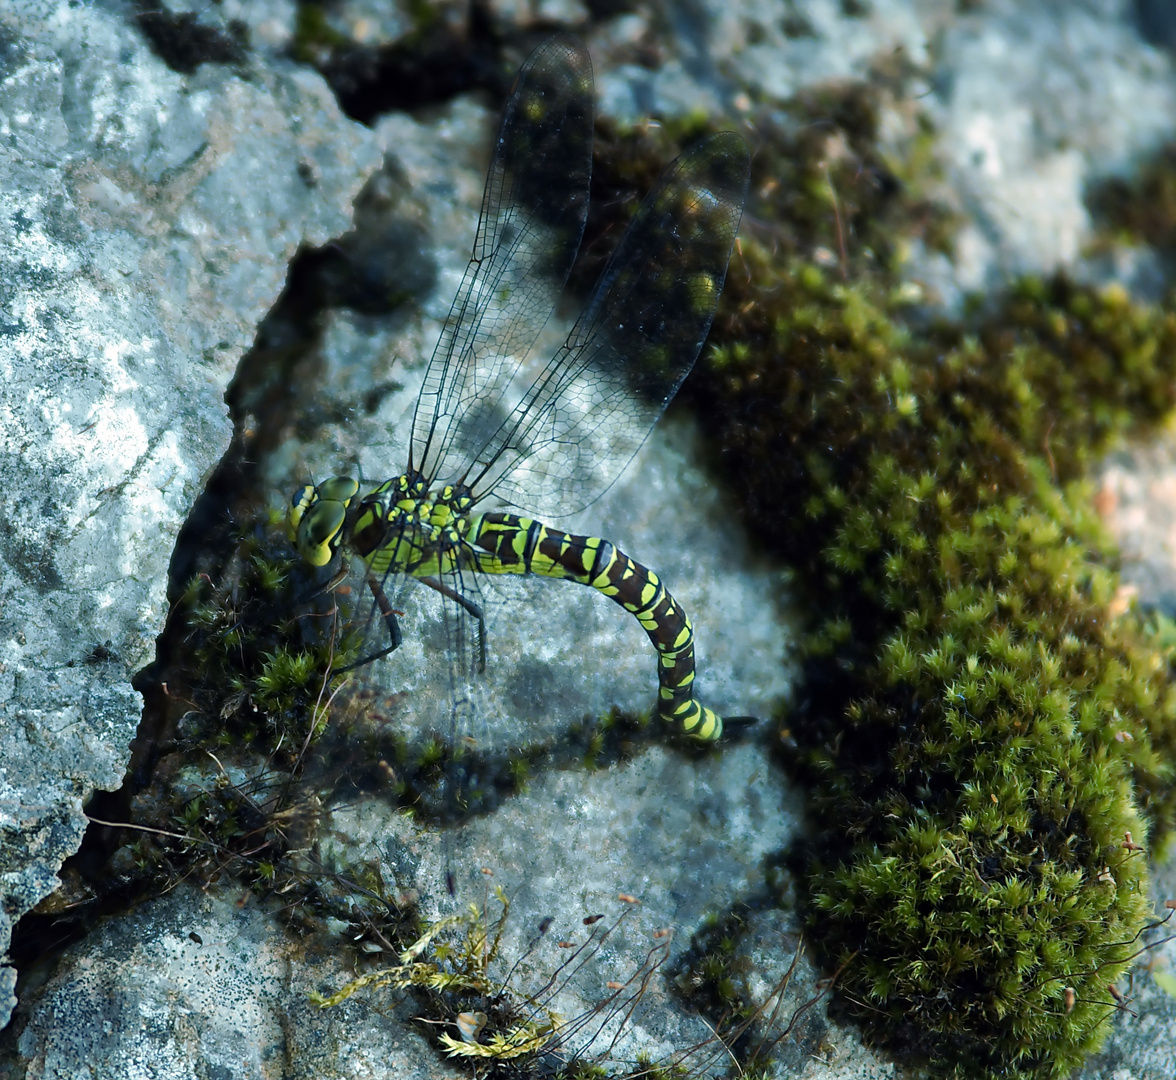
(517, 545)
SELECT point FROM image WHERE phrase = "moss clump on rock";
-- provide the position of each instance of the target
(1143, 209)
(820, 184)
(982, 720)
(988, 726)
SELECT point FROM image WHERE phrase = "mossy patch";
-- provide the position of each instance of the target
(821, 183)
(987, 726)
(983, 722)
(1141, 210)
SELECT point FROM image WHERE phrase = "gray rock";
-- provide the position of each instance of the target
(1031, 104)
(790, 1032)
(1140, 1044)
(668, 497)
(684, 838)
(156, 212)
(146, 217)
(196, 984)
(1137, 501)
(206, 980)
(262, 26)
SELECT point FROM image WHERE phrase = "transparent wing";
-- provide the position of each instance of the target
(586, 415)
(533, 212)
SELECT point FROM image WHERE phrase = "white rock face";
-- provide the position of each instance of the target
(145, 221)
(1032, 106)
(199, 985)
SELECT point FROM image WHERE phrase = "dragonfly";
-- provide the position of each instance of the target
(491, 430)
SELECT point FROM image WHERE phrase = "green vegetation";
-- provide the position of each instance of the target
(257, 670)
(988, 728)
(1141, 210)
(457, 959)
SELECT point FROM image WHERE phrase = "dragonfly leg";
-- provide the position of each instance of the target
(332, 583)
(388, 613)
(470, 606)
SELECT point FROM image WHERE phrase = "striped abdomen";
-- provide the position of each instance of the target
(516, 545)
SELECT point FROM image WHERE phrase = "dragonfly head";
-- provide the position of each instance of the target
(318, 516)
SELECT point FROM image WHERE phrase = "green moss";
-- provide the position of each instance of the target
(714, 970)
(981, 731)
(314, 37)
(256, 670)
(820, 181)
(985, 719)
(1142, 209)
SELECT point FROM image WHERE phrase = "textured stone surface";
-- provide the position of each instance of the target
(196, 985)
(1137, 500)
(687, 839)
(1142, 1044)
(147, 217)
(145, 220)
(143, 993)
(1030, 104)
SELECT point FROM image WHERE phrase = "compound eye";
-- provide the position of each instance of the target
(318, 533)
(338, 489)
(303, 498)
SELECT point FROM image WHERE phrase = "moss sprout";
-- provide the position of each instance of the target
(467, 985)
